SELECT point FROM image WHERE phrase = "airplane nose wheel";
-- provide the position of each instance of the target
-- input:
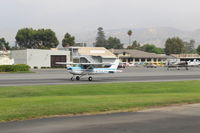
(77, 78)
(90, 78)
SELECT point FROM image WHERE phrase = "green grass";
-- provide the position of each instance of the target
(26, 102)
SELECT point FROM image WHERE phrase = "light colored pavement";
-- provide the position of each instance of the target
(176, 119)
(132, 74)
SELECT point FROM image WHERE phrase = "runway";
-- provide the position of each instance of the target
(177, 119)
(132, 74)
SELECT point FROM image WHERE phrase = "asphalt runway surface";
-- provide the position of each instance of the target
(176, 119)
(131, 74)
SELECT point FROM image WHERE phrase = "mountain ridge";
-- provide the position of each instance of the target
(152, 35)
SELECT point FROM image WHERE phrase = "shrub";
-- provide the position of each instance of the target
(14, 68)
(21, 67)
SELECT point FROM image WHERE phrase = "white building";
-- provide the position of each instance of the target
(5, 58)
(91, 54)
(37, 58)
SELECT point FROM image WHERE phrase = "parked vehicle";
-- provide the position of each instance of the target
(131, 64)
(151, 65)
(121, 65)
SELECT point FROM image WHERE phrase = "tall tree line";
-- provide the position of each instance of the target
(46, 38)
(151, 48)
(111, 42)
(41, 39)
(4, 45)
(31, 38)
(176, 45)
(173, 45)
(68, 40)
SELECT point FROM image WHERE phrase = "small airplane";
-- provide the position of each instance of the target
(194, 63)
(177, 65)
(186, 64)
(84, 69)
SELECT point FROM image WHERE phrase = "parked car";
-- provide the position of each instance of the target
(131, 64)
(151, 65)
(121, 65)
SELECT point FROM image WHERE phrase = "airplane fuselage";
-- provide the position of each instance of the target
(84, 69)
(80, 71)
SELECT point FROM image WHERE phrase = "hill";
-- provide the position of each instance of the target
(155, 35)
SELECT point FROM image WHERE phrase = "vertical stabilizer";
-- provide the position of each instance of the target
(115, 64)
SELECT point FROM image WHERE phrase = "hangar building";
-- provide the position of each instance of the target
(131, 56)
(38, 58)
(187, 57)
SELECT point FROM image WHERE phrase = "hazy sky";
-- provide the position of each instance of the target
(84, 15)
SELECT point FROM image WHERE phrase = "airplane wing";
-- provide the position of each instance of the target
(70, 63)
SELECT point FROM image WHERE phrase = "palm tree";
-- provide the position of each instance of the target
(130, 34)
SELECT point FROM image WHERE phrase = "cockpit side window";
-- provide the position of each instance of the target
(87, 67)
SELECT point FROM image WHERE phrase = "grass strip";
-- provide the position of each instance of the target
(26, 102)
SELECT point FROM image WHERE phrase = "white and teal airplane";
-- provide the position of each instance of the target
(88, 69)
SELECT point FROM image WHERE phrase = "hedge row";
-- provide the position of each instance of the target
(14, 68)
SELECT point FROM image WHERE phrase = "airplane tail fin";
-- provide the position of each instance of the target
(115, 64)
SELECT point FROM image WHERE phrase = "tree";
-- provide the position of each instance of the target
(45, 38)
(198, 49)
(114, 43)
(24, 38)
(41, 38)
(3, 44)
(129, 34)
(135, 45)
(189, 46)
(101, 39)
(152, 49)
(174, 45)
(68, 40)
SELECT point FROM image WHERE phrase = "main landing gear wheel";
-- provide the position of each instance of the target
(77, 78)
(90, 78)
(72, 78)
